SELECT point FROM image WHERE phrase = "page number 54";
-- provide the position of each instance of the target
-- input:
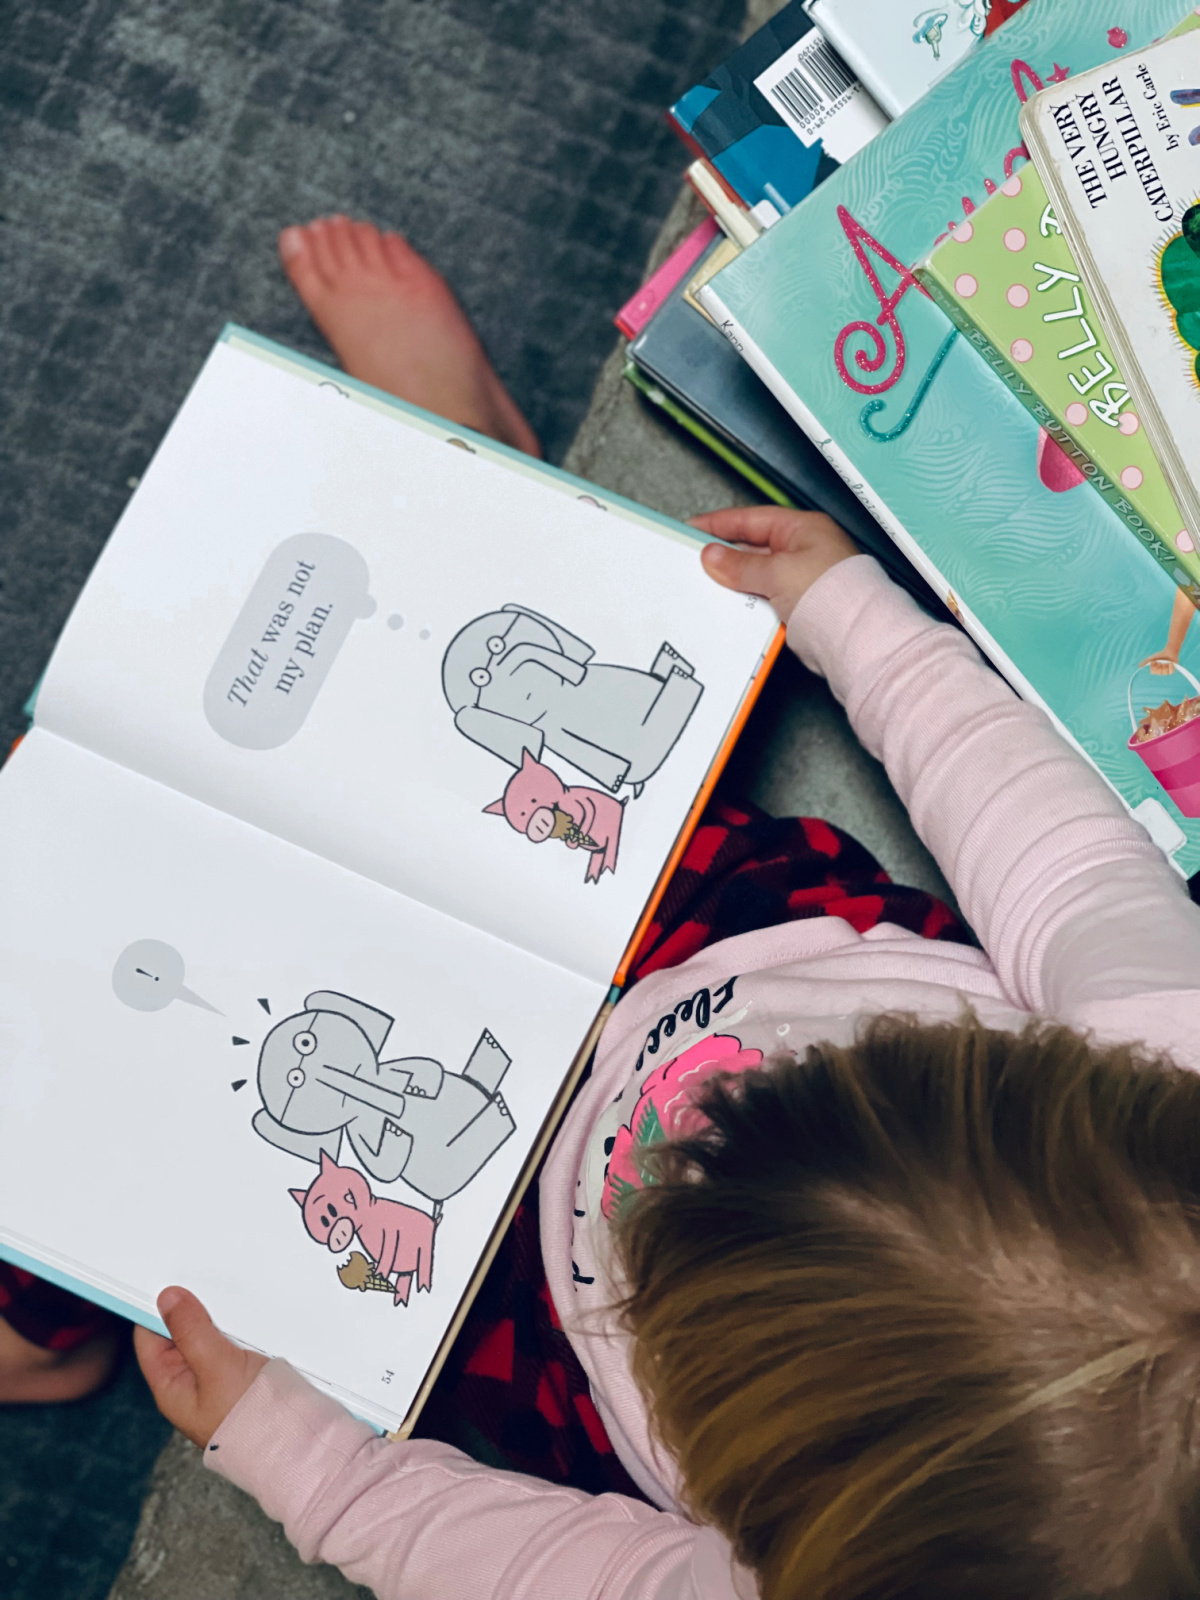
(387, 1377)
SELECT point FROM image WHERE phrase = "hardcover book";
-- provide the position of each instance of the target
(357, 763)
(1007, 279)
(1117, 147)
(826, 308)
(780, 114)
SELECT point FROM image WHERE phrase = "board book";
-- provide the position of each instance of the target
(1008, 281)
(825, 307)
(351, 777)
(1117, 148)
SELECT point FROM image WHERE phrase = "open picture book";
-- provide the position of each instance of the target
(349, 785)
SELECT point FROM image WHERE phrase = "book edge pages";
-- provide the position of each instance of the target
(536, 1155)
(753, 689)
(659, 395)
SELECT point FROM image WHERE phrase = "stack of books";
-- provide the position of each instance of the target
(1000, 361)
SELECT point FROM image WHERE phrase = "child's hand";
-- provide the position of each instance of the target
(196, 1376)
(789, 550)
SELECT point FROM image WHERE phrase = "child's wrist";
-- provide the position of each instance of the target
(814, 569)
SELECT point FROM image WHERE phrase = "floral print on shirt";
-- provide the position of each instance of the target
(666, 1109)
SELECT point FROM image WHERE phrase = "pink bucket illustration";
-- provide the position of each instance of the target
(1174, 757)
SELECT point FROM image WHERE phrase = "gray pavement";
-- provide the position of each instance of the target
(201, 1539)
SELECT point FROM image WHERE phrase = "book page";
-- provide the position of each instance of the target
(231, 1065)
(464, 679)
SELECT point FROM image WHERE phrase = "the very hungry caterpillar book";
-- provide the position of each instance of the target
(349, 780)
(827, 310)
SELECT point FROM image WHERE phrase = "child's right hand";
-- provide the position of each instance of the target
(782, 553)
(196, 1376)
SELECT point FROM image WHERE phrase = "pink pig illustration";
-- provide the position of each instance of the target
(399, 1239)
(538, 804)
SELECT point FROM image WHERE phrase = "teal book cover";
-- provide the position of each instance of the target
(1042, 572)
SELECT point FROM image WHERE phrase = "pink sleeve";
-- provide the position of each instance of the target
(420, 1520)
(1074, 904)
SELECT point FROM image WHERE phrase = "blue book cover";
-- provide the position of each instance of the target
(779, 114)
(825, 308)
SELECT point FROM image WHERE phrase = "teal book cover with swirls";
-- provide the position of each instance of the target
(826, 309)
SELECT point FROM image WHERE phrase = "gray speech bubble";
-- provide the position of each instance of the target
(148, 975)
(287, 635)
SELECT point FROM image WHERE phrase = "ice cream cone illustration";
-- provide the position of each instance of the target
(359, 1273)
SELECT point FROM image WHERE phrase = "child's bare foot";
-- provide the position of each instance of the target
(395, 323)
(30, 1375)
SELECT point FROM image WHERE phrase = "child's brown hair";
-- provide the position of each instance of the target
(921, 1317)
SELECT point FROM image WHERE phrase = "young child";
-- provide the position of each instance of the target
(882, 1283)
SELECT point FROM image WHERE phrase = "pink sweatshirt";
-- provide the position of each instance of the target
(1081, 919)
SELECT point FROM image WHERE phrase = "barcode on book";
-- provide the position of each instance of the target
(818, 97)
(806, 90)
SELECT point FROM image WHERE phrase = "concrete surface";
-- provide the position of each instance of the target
(201, 1539)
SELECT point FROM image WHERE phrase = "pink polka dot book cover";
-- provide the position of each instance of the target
(827, 309)
(1118, 150)
(1007, 279)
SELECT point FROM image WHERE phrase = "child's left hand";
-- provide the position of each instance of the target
(196, 1376)
(772, 551)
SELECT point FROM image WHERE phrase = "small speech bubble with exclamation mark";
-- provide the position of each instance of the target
(148, 975)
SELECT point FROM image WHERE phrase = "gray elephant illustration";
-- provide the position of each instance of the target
(322, 1080)
(517, 681)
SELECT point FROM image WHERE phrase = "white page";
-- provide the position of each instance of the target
(129, 1157)
(377, 776)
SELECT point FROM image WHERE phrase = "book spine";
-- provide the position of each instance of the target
(637, 312)
(719, 197)
(658, 396)
(841, 463)
(690, 142)
(1143, 532)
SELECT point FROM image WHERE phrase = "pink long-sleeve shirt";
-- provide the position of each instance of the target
(1080, 918)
